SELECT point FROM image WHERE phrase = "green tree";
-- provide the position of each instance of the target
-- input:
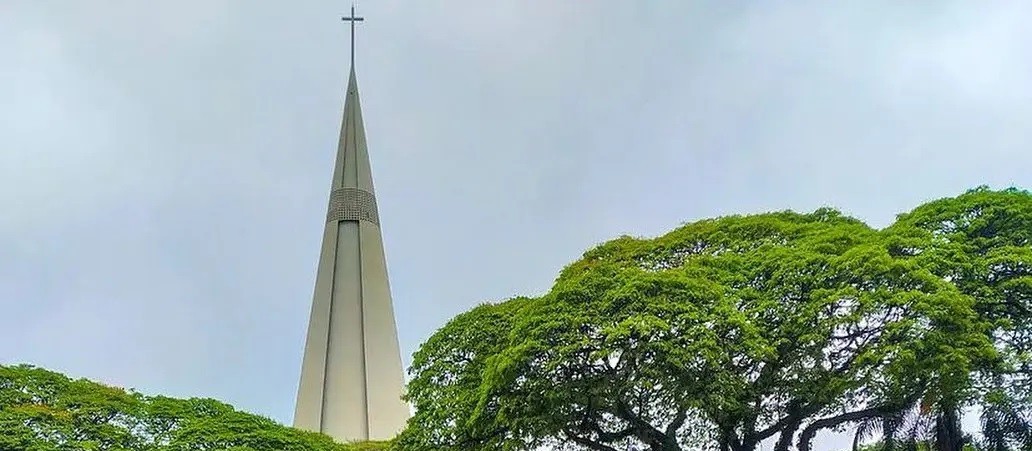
(42, 410)
(981, 241)
(448, 371)
(727, 331)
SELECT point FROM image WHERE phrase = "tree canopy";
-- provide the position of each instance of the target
(981, 242)
(731, 331)
(42, 410)
(721, 334)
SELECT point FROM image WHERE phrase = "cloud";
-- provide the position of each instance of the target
(164, 166)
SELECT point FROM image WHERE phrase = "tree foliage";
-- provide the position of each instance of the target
(722, 334)
(981, 241)
(728, 332)
(42, 410)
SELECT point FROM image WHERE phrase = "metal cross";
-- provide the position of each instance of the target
(352, 19)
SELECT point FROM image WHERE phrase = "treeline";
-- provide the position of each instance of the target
(42, 410)
(772, 328)
(723, 334)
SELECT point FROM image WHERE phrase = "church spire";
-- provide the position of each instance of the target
(353, 19)
(351, 376)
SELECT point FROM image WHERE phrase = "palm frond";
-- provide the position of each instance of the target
(1004, 427)
(864, 431)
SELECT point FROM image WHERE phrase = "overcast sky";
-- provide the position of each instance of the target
(165, 165)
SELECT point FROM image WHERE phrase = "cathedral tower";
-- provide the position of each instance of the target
(352, 378)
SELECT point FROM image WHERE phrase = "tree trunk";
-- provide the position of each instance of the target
(669, 443)
(787, 434)
(728, 441)
(948, 436)
(889, 432)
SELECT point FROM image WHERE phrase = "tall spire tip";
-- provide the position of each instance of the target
(352, 18)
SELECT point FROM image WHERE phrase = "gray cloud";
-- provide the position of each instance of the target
(164, 165)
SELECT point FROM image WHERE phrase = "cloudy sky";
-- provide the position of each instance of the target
(165, 165)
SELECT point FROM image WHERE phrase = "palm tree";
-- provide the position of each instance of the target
(918, 426)
(1005, 424)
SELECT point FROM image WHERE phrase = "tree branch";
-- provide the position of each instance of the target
(645, 431)
(590, 444)
(796, 414)
(880, 411)
(811, 430)
(787, 434)
(607, 437)
(679, 420)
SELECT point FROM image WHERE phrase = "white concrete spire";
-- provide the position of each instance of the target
(352, 378)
